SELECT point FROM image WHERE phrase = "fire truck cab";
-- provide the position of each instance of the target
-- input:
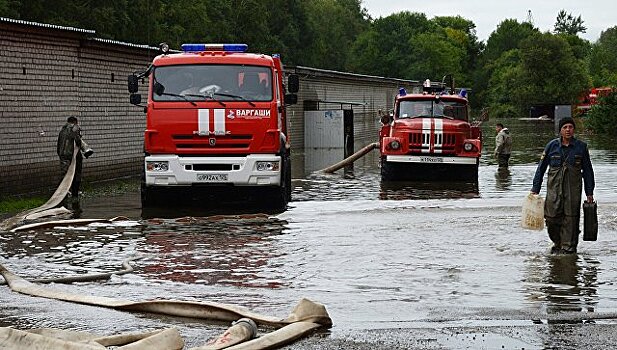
(429, 137)
(216, 121)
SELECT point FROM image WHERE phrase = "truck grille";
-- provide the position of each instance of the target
(446, 142)
(221, 141)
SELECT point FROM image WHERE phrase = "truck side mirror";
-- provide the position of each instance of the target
(385, 119)
(293, 83)
(291, 99)
(135, 99)
(133, 83)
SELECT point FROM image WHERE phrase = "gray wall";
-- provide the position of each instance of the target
(48, 73)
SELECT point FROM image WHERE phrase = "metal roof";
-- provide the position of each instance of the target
(43, 25)
(122, 43)
(88, 32)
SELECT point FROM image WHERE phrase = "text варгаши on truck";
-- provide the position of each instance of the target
(216, 121)
(429, 136)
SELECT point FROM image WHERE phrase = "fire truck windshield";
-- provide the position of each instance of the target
(218, 82)
(431, 109)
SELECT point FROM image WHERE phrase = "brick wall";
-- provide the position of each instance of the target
(48, 73)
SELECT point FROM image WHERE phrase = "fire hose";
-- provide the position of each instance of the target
(305, 317)
(49, 208)
(352, 158)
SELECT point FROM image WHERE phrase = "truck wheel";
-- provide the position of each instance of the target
(387, 171)
(287, 172)
(144, 192)
(148, 197)
(281, 195)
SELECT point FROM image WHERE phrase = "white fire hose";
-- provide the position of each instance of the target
(306, 316)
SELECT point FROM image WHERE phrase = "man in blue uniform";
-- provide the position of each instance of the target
(567, 159)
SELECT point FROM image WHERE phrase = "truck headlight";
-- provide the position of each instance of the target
(395, 145)
(468, 147)
(267, 166)
(157, 166)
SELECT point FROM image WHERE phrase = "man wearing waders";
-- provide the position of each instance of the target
(568, 162)
(503, 145)
(70, 135)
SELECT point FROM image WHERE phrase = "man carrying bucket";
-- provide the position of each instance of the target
(568, 161)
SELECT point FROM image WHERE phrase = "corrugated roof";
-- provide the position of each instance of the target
(121, 43)
(43, 25)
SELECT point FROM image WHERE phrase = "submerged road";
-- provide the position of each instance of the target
(398, 266)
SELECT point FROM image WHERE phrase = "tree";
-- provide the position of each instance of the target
(462, 33)
(334, 26)
(550, 72)
(433, 57)
(384, 49)
(504, 82)
(8, 8)
(543, 70)
(568, 24)
(507, 36)
(602, 62)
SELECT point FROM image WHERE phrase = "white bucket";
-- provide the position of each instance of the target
(533, 212)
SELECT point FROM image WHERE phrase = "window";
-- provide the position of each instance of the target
(220, 82)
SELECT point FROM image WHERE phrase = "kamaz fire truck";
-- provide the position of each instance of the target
(429, 136)
(216, 124)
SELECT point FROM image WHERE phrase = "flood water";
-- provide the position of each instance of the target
(379, 256)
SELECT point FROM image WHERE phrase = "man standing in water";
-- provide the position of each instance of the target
(503, 145)
(569, 162)
(70, 135)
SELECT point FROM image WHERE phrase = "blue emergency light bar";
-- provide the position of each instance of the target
(214, 47)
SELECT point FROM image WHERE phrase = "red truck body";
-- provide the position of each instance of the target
(429, 137)
(216, 118)
(590, 98)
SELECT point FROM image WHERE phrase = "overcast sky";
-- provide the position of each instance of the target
(598, 15)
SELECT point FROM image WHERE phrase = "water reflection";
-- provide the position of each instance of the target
(565, 283)
(503, 179)
(218, 250)
(197, 210)
(428, 190)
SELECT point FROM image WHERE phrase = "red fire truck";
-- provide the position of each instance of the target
(216, 124)
(590, 98)
(429, 136)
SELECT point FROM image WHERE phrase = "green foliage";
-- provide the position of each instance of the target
(568, 24)
(551, 71)
(16, 205)
(334, 25)
(384, 49)
(603, 59)
(434, 57)
(504, 84)
(602, 117)
(8, 8)
(543, 70)
(516, 67)
(506, 37)
(410, 46)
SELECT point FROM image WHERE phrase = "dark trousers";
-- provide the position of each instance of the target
(503, 160)
(564, 231)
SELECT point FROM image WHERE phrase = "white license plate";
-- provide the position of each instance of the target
(431, 159)
(212, 177)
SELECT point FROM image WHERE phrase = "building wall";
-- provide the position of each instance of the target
(48, 73)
